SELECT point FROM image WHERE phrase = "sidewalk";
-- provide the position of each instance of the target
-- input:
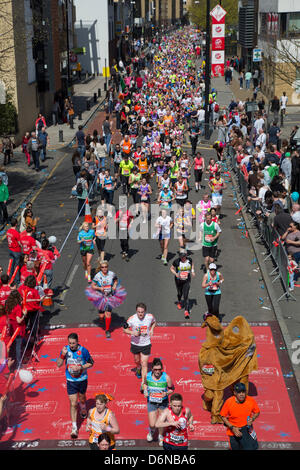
(23, 182)
(82, 94)
(227, 92)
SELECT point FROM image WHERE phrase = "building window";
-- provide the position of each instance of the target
(294, 23)
(283, 24)
(297, 81)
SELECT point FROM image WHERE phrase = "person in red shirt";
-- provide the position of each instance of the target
(4, 323)
(238, 414)
(31, 303)
(14, 246)
(5, 289)
(16, 317)
(139, 82)
(124, 218)
(27, 241)
(27, 269)
(45, 255)
(175, 421)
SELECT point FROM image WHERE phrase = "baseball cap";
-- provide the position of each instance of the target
(182, 253)
(239, 387)
(212, 266)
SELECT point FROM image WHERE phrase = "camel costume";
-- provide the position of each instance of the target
(227, 356)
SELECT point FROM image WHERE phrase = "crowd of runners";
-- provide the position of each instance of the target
(157, 164)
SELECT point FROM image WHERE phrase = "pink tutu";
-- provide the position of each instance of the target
(101, 301)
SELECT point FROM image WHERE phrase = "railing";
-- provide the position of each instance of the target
(266, 232)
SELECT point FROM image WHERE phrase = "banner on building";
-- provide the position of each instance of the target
(218, 41)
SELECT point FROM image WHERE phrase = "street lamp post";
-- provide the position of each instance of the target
(68, 46)
(207, 72)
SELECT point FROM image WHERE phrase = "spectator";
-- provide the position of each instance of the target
(274, 134)
(295, 180)
(14, 245)
(274, 107)
(295, 213)
(55, 112)
(33, 148)
(44, 141)
(22, 219)
(291, 237)
(3, 176)
(4, 195)
(25, 147)
(248, 76)
(7, 149)
(40, 123)
(282, 220)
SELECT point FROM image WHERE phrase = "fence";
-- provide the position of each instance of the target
(266, 232)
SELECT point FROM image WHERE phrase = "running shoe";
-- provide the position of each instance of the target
(86, 274)
(160, 440)
(165, 262)
(150, 437)
(89, 278)
(138, 373)
(107, 334)
(179, 306)
(186, 314)
(74, 432)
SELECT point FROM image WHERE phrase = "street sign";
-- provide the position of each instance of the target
(257, 55)
(218, 13)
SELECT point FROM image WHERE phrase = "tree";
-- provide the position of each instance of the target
(197, 12)
(284, 55)
(8, 117)
(6, 36)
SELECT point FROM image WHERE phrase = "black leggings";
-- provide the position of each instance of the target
(213, 303)
(198, 176)
(183, 289)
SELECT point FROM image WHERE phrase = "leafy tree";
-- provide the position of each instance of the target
(8, 117)
(197, 12)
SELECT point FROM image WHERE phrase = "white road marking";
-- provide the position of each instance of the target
(69, 282)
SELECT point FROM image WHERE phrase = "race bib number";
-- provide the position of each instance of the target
(156, 398)
(208, 238)
(183, 275)
(74, 370)
(107, 289)
(123, 224)
(176, 438)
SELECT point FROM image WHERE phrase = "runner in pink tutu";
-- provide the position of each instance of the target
(105, 293)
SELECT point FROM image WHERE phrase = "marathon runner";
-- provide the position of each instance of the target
(77, 360)
(102, 420)
(157, 389)
(140, 327)
(86, 239)
(175, 420)
(183, 269)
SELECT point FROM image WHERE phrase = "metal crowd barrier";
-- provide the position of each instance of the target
(267, 233)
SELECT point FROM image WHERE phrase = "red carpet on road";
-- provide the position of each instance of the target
(40, 412)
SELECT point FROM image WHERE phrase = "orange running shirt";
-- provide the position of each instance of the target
(237, 413)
